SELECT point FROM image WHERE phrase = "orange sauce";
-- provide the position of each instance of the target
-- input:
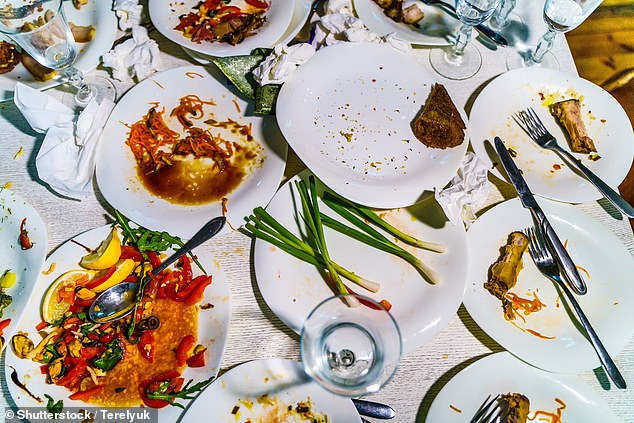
(177, 321)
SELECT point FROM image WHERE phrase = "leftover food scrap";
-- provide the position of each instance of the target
(439, 124)
(394, 10)
(518, 407)
(219, 20)
(270, 409)
(568, 114)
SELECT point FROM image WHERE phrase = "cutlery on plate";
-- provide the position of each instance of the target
(303, 36)
(373, 409)
(482, 29)
(118, 301)
(533, 126)
(529, 202)
(486, 414)
(547, 265)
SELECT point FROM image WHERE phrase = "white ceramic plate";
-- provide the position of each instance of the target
(26, 264)
(213, 325)
(301, 9)
(283, 381)
(278, 18)
(353, 127)
(117, 170)
(502, 373)
(97, 13)
(606, 122)
(609, 303)
(435, 29)
(293, 288)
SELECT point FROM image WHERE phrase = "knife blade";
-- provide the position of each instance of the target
(373, 409)
(528, 201)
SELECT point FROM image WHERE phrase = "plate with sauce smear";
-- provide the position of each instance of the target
(181, 147)
(550, 395)
(546, 332)
(207, 318)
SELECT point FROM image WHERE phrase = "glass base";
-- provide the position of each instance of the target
(101, 88)
(518, 60)
(456, 67)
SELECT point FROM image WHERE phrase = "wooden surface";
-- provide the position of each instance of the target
(603, 50)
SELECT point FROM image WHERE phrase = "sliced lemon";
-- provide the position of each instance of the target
(122, 271)
(54, 305)
(106, 255)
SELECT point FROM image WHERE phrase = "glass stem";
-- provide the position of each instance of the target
(462, 39)
(500, 18)
(543, 46)
(76, 78)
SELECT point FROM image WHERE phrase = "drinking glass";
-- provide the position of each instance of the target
(560, 16)
(349, 349)
(463, 60)
(40, 28)
(500, 18)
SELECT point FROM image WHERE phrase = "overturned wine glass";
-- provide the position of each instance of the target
(350, 345)
(41, 30)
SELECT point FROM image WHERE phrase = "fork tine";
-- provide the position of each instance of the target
(478, 417)
(536, 121)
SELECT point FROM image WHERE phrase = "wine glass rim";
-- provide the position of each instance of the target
(59, 9)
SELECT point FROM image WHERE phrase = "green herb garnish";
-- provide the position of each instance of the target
(53, 406)
(110, 357)
(186, 393)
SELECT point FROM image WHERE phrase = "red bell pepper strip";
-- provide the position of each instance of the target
(187, 290)
(230, 16)
(144, 385)
(25, 241)
(183, 350)
(130, 252)
(198, 359)
(84, 303)
(198, 293)
(228, 9)
(147, 346)
(87, 394)
(185, 265)
(155, 261)
(44, 369)
(211, 4)
(258, 3)
(41, 325)
(101, 279)
(4, 324)
(74, 376)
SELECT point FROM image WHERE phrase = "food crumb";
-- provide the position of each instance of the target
(18, 153)
(594, 157)
(51, 269)
(454, 408)
(7, 185)
(445, 356)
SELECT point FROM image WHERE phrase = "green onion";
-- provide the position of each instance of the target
(369, 214)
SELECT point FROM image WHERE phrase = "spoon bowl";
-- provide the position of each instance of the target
(118, 301)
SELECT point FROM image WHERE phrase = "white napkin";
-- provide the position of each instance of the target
(137, 57)
(66, 159)
(467, 191)
(278, 65)
(129, 13)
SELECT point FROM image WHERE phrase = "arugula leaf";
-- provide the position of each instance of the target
(185, 393)
(53, 406)
(110, 357)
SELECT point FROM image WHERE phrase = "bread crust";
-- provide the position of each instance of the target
(439, 124)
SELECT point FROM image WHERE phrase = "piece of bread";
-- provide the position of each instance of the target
(439, 124)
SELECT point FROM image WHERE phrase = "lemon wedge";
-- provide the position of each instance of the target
(54, 305)
(122, 271)
(106, 255)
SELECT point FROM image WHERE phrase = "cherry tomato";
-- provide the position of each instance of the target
(184, 348)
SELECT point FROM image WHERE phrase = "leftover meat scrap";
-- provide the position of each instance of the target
(10, 57)
(568, 114)
(518, 407)
(439, 124)
(393, 9)
(503, 273)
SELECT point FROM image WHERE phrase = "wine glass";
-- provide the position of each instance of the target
(463, 60)
(560, 16)
(350, 345)
(40, 28)
(500, 19)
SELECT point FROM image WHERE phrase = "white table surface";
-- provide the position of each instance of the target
(255, 331)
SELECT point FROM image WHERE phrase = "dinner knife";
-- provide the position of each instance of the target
(529, 202)
(373, 409)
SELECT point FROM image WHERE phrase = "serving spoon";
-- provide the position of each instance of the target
(118, 301)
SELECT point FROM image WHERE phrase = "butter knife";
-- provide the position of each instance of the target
(373, 409)
(528, 201)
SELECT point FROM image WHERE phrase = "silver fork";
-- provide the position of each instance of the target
(486, 414)
(533, 126)
(546, 264)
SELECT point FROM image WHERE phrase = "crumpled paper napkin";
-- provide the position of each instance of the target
(128, 12)
(338, 24)
(66, 159)
(137, 57)
(467, 191)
